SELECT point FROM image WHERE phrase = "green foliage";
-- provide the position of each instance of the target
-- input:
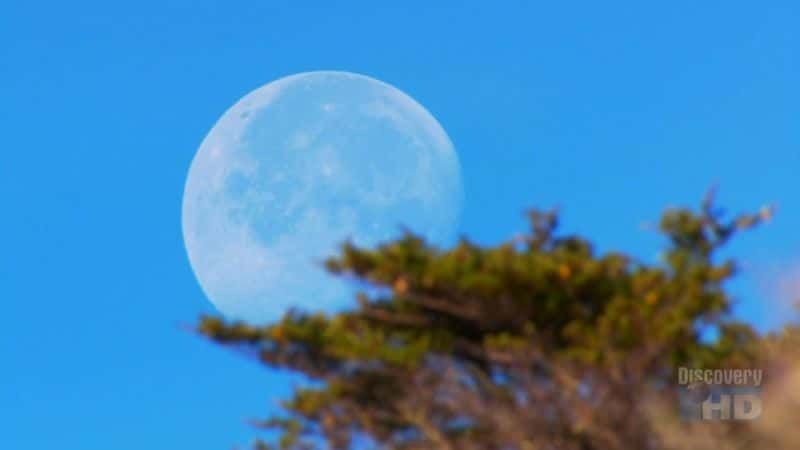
(457, 344)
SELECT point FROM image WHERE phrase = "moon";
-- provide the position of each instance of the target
(300, 165)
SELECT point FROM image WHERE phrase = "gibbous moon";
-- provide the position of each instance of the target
(300, 165)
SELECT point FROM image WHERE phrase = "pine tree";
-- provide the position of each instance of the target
(537, 343)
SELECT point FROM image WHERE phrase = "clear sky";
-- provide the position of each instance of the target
(612, 110)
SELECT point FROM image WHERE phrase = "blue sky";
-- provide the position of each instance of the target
(612, 111)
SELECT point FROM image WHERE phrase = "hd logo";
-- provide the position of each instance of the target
(700, 401)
